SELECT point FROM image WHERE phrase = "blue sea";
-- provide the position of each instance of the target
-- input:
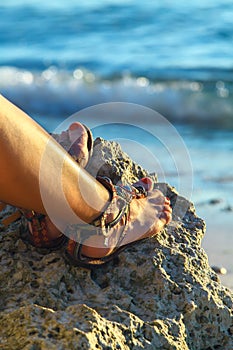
(174, 57)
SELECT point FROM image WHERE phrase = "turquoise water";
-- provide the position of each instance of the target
(149, 38)
(58, 57)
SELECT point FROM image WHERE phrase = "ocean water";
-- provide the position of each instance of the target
(176, 57)
(58, 57)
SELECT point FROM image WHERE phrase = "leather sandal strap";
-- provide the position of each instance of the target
(121, 197)
(120, 201)
(11, 218)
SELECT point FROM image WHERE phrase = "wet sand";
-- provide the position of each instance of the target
(218, 240)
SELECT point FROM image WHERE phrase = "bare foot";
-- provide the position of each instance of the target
(75, 142)
(148, 216)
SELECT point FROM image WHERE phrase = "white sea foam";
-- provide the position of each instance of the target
(59, 93)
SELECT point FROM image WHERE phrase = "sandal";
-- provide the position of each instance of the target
(121, 199)
(36, 223)
(35, 227)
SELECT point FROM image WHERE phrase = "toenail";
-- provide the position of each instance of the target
(146, 180)
(74, 126)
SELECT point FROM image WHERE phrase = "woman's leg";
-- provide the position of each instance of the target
(22, 147)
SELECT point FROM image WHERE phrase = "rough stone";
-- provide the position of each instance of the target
(108, 159)
(159, 294)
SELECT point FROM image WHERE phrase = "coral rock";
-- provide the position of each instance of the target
(159, 294)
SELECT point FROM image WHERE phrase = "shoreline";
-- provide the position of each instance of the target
(218, 241)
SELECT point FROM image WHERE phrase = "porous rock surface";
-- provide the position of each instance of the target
(159, 294)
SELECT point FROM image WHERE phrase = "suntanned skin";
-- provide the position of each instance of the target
(22, 147)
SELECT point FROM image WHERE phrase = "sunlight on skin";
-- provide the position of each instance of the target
(147, 215)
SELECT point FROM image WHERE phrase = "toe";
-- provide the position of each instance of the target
(78, 138)
(146, 182)
(77, 132)
(166, 214)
